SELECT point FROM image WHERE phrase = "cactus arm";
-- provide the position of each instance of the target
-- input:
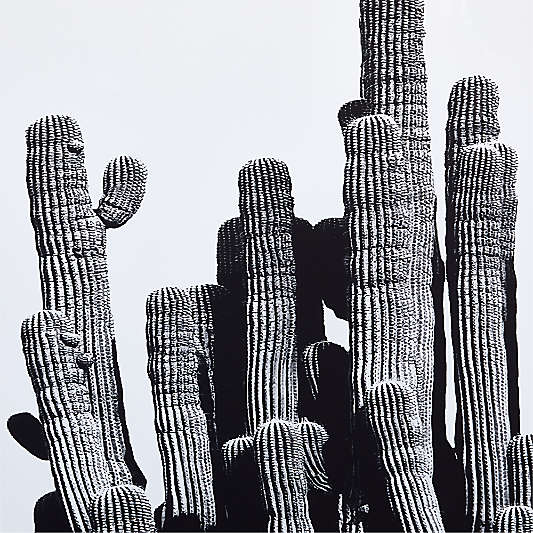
(53, 358)
(476, 295)
(394, 83)
(314, 436)
(71, 246)
(378, 201)
(124, 186)
(520, 462)
(514, 519)
(510, 164)
(279, 453)
(174, 351)
(393, 416)
(266, 207)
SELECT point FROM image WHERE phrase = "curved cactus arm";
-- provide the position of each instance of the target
(58, 368)
(279, 453)
(520, 463)
(314, 436)
(394, 82)
(393, 416)
(123, 508)
(174, 352)
(71, 245)
(514, 519)
(124, 187)
(476, 295)
(266, 207)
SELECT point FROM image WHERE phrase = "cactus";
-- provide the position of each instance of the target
(71, 246)
(174, 353)
(261, 422)
(59, 369)
(393, 414)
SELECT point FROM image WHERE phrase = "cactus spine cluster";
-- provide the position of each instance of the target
(261, 422)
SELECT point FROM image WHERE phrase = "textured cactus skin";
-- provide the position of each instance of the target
(514, 519)
(174, 354)
(394, 83)
(393, 415)
(58, 369)
(375, 182)
(480, 357)
(520, 463)
(266, 208)
(279, 453)
(71, 246)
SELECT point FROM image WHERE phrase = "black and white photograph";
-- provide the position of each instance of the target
(267, 266)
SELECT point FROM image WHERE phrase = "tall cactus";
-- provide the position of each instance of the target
(71, 245)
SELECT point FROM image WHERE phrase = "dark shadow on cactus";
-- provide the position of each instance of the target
(244, 502)
(49, 514)
(29, 433)
(448, 475)
(137, 476)
(184, 522)
(373, 485)
(511, 347)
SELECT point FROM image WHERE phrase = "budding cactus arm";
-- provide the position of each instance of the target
(58, 369)
(314, 436)
(181, 426)
(71, 246)
(393, 415)
(520, 462)
(279, 453)
(124, 186)
(514, 519)
(476, 295)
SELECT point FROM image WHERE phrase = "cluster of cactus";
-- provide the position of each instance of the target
(263, 424)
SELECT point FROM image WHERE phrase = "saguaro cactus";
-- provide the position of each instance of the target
(174, 351)
(71, 245)
(58, 369)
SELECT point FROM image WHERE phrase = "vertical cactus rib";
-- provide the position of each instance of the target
(514, 519)
(279, 453)
(520, 463)
(394, 83)
(314, 436)
(71, 245)
(477, 324)
(378, 201)
(393, 416)
(266, 207)
(123, 508)
(58, 369)
(174, 353)
(510, 167)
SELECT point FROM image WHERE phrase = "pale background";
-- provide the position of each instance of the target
(195, 89)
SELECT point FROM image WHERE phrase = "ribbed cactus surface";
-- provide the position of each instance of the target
(174, 354)
(71, 245)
